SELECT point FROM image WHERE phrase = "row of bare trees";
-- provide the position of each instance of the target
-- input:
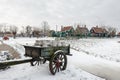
(24, 31)
(5, 28)
(30, 31)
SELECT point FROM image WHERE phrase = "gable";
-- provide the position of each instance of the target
(82, 30)
(98, 30)
(67, 28)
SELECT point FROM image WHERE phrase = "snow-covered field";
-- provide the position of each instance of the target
(100, 48)
(27, 72)
(104, 48)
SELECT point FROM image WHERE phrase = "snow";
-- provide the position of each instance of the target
(5, 55)
(100, 67)
(27, 72)
(97, 56)
(104, 48)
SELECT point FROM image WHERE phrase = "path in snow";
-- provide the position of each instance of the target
(99, 67)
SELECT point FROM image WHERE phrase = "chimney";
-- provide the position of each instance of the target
(61, 28)
(78, 25)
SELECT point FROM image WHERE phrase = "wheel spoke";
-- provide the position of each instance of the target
(63, 64)
(62, 59)
(61, 67)
(34, 63)
(55, 70)
(53, 63)
(54, 67)
(58, 69)
(38, 63)
(60, 56)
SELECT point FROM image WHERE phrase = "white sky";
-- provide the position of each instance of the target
(60, 12)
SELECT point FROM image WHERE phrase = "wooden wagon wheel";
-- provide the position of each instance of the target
(58, 62)
(37, 61)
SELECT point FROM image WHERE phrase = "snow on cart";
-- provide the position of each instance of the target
(44, 50)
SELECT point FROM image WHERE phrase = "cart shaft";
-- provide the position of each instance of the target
(14, 62)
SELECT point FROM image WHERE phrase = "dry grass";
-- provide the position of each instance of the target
(5, 47)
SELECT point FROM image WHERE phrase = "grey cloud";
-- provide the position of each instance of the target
(60, 12)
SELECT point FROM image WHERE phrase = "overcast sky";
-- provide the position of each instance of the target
(60, 12)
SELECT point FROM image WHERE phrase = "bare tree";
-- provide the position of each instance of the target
(5, 29)
(14, 30)
(29, 31)
(111, 31)
(22, 32)
(45, 28)
(1, 26)
(36, 32)
(1, 30)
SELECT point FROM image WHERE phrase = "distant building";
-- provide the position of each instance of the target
(52, 33)
(8, 34)
(118, 35)
(36, 33)
(82, 31)
(98, 32)
(67, 31)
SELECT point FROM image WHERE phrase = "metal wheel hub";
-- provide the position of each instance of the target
(58, 63)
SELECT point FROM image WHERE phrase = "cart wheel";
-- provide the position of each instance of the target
(37, 61)
(34, 63)
(58, 62)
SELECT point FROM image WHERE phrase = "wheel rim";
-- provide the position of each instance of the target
(58, 63)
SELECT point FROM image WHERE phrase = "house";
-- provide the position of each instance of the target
(36, 33)
(82, 31)
(118, 35)
(67, 31)
(8, 34)
(52, 33)
(98, 32)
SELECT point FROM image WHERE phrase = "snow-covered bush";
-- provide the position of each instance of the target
(4, 56)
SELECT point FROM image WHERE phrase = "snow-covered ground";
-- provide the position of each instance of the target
(98, 66)
(107, 48)
(83, 58)
(27, 72)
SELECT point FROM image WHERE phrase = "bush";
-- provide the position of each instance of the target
(4, 56)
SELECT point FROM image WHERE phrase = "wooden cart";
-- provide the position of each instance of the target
(42, 51)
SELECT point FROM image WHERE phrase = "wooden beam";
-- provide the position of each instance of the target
(14, 62)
